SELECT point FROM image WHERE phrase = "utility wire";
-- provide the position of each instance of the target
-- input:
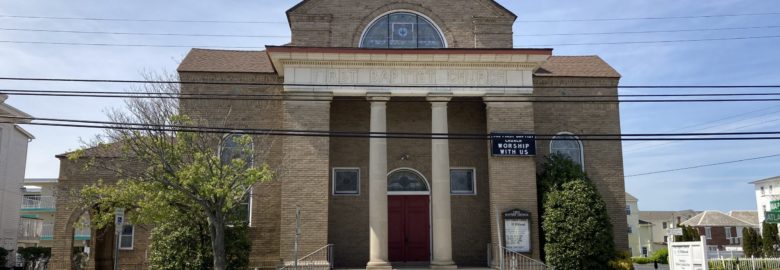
(98, 44)
(652, 41)
(284, 22)
(648, 18)
(288, 36)
(474, 99)
(238, 83)
(137, 20)
(402, 135)
(649, 31)
(141, 33)
(703, 165)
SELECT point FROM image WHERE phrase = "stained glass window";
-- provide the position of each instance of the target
(402, 30)
(406, 180)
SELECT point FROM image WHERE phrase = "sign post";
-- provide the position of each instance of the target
(119, 220)
(517, 231)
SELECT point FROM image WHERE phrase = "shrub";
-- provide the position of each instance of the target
(621, 261)
(751, 242)
(34, 256)
(770, 240)
(642, 260)
(661, 255)
(577, 228)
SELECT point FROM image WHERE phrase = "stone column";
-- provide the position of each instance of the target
(440, 192)
(377, 187)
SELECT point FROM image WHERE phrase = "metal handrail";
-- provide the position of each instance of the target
(510, 260)
(321, 258)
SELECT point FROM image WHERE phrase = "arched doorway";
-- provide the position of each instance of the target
(409, 228)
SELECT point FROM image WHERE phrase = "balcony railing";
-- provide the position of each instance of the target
(38, 203)
(34, 230)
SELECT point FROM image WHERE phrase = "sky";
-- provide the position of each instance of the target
(732, 62)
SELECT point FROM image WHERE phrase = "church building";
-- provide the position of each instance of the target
(401, 67)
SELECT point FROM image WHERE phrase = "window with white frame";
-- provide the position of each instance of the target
(346, 181)
(628, 209)
(664, 225)
(126, 238)
(463, 181)
(630, 230)
(762, 191)
(568, 145)
(728, 234)
(708, 232)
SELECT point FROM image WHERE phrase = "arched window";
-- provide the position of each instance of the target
(232, 148)
(568, 145)
(402, 30)
(405, 180)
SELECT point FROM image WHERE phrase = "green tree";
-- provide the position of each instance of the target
(4, 256)
(556, 170)
(168, 167)
(751, 242)
(770, 240)
(689, 234)
(34, 256)
(577, 228)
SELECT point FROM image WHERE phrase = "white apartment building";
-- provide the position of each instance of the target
(640, 232)
(13, 159)
(766, 191)
(36, 227)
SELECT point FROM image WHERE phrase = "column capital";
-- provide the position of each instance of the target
(439, 98)
(378, 97)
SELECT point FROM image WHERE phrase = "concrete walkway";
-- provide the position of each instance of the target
(649, 266)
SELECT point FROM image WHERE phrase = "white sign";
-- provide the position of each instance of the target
(518, 235)
(674, 231)
(688, 255)
(119, 219)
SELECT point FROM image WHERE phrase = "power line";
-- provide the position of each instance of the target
(401, 135)
(288, 36)
(256, 47)
(138, 20)
(142, 33)
(650, 31)
(311, 97)
(648, 18)
(284, 22)
(238, 83)
(703, 165)
(652, 41)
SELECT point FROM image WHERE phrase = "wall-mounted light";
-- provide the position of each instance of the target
(404, 157)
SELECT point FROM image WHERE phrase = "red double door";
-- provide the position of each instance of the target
(409, 228)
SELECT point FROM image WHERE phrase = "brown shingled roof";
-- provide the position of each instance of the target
(203, 60)
(576, 66)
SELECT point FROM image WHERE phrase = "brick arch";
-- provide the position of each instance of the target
(62, 254)
(435, 19)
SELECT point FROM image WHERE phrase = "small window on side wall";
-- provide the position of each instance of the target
(346, 181)
(126, 238)
(463, 181)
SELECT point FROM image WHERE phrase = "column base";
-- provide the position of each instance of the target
(378, 266)
(444, 265)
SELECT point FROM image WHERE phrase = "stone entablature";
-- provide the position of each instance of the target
(351, 72)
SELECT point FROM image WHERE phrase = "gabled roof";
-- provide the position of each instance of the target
(664, 215)
(750, 216)
(713, 218)
(576, 66)
(205, 60)
(630, 197)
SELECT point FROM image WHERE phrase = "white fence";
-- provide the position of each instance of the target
(38, 202)
(744, 263)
